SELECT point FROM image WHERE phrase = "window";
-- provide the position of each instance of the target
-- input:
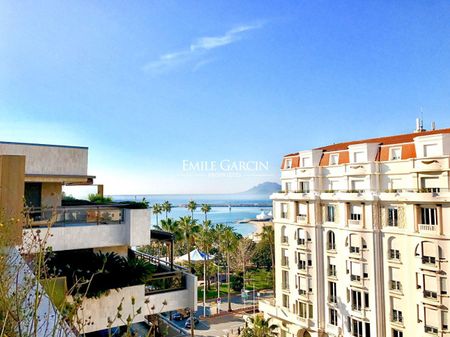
(430, 150)
(394, 252)
(443, 286)
(397, 333)
(285, 301)
(355, 327)
(444, 320)
(358, 157)
(304, 261)
(430, 185)
(396, 153)
(366, 300)
(333, 317)
(355, 213)
(287, 187)
(330, 213)
(365, 270)
(355, 271)
(430, 287)
(285, 280)
(431, 320)
(428, 216)
(395, 276)
(285, 257)
(305, 310)
(304, 285)
(356, 300)
(284, 211)
(393, 217)
(303, 237)
(358, 185)
(397, 316)
(303, 186)
(288, 163)
(284, 237)
(331, 266)
(332, 292)
(306, 162)
(331, 244)
(334, 159)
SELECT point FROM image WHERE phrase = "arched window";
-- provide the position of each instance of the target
(394, 249)
(331, 240)
(356, 243)
(428, 252)
(302, 237)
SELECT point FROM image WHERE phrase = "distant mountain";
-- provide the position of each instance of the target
(266, 188)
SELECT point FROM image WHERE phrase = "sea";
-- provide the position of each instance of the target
(228, 209)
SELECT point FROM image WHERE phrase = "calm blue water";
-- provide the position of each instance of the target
(217, 214)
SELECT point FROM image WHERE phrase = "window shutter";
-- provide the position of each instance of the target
(428, 249)
(356, 268)
(430, 283)
(395, 274)
(431, 317)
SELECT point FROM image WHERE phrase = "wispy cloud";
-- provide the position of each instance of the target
(197, 49)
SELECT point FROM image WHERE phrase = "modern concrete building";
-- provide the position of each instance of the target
(36, 173)
(362, 239)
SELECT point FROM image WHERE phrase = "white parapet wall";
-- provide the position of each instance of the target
(134, 231)
(94, 312)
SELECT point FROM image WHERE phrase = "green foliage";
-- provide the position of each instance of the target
(261, 257)
(144, 204)
(259, 327)
(237, 282)
(94, 274)
(99, 199)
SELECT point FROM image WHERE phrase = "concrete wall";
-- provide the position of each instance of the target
(49, 159)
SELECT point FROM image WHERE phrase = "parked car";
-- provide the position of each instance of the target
(181, 314)
(187, 325)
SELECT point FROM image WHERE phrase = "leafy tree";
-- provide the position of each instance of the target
(99, 199)
(166, 207)
(188, 228)
(262, 256)
(268, 236)
(259, 327)
(237, 282)
(206, 209)
(229, 243)
(192, 206)
(156, 210)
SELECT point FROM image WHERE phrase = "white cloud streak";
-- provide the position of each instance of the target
(198, 48)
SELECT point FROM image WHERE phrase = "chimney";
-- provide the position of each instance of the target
(433, 126)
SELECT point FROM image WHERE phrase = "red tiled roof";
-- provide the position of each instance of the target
(408, 150)
(398, 139)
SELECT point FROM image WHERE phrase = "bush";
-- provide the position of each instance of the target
(99, 199)
(236, 282)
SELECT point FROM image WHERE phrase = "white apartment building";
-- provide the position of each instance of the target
(362, 239)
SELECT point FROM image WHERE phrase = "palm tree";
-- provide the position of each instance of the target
(206, 239)
(259, 327)
(166, 207)
(192, 206)
(171, 226)
(206, 209)
(229, 243)
(156, 209)
(188, 228)
(217, 232)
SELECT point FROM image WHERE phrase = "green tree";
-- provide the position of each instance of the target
(204, 238)
(192, 206)
(206, 209)
(171, 226)
(229, 243)
(166, 207)
(262, 257)
(157, 209)
(188, 228)
(268, 236)
(259, 327)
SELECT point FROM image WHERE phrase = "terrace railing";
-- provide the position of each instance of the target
(61, 216)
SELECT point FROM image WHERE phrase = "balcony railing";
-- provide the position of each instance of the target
(428, 260)
(354, 222)
(79, 215)
(165, 282)
(301, 218)
(428, 228)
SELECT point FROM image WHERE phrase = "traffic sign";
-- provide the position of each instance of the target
(218, 300)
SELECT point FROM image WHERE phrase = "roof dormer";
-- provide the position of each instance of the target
(363, 153)
(310, 158)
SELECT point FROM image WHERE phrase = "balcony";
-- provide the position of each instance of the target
(69, 228)
(302, 218)
(354, 222)
(428, 228)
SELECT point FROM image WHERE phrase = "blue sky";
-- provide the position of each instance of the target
(148, 84)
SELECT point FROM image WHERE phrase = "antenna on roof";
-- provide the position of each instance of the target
(419, 123)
